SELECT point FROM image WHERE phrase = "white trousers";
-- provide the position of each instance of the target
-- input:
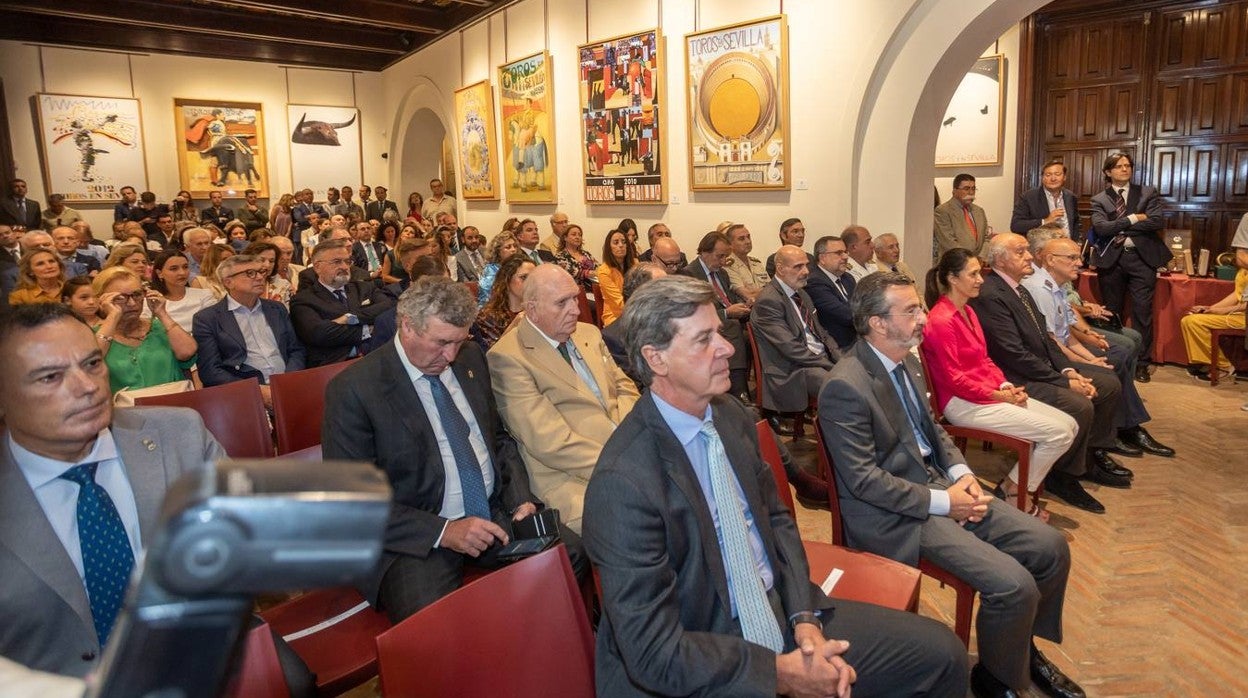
(1050, 429)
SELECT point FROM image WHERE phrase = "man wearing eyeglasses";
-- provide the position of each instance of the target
(244, 335)
(959, 222)
(333, 314)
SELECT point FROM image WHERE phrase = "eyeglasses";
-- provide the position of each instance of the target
(964, 188)
(136, 297)
(916, 312)
(1072, 257)
(670, 265)
(337, 262)
(249, 273)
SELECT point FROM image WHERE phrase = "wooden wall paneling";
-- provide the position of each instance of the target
(1203, 173)
(1235, 166)
(1176, 45)
(1230, 222)
(1061, 114)
(1123, 106)
(1215, 29)
(1091, 121)
(1239, 34)
(1170, 107)
(1096, 44)
(1085, 168)
(1167, 170)
(1062, 52)
(1128, 43)
(1209, 98)
(1238, 104)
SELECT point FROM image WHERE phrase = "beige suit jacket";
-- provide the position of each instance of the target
(556, 419)
(950, 231)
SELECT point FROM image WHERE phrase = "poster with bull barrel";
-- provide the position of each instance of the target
(221, 147)
(324, 147)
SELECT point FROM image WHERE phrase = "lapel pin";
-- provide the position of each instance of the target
(470, 375)
(151, 445)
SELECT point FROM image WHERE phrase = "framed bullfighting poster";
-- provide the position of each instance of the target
(972, 131)
(526, 106)
(91, 146)
(476, 141)
(737, 82)
(621, 102)
(324, 147)
(221, 147)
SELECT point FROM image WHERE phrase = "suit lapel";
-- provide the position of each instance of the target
(592, 355)
(886, 395)
(549, 359)
(229, 325)
(142, 456)
(24, 529)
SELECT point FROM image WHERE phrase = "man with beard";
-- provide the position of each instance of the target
(334, 315)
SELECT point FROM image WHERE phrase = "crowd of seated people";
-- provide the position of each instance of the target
(522, 407)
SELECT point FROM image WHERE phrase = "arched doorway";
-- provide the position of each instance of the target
(421, 152)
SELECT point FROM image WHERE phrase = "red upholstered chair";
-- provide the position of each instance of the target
(233, 412)
(866, 577)
(597, 291)
(587, 316)
(334, 631)
(299, 404)
(965, 593)
(960, 435)
(474, 287)
(260, 673)
(799, 419)
(529, 637)
(311, 453)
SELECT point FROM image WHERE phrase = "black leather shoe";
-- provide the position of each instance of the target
(985, 685)
(1069, 490)
(1112, 466)
(781, 427)
(1123, 447)
(1100, 471)
(1140, 437)
(1141, 374)
(1048, 678)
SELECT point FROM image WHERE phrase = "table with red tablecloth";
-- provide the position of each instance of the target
(1175, 295)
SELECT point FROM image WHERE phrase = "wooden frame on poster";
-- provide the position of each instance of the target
(973, 128)
(220, 146)
(620, 93)
(526, 116)
(325, 145)
(476, 142)
(737, 83)
(91, 146)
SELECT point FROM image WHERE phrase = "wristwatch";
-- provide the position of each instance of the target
(805, 617)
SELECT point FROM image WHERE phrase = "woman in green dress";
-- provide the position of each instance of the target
(140, 352)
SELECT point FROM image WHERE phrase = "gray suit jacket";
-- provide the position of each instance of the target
(666, 626)
(467, 271)
(782, 348)
(882, 481)
(950, 230)
(45, 618)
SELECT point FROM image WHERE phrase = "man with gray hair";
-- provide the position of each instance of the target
(558, 390)
(907, 494)
(888, 255)
(705, 585)
(558, 224)
(244, 335)
(613, 334)
(333, 313)
(421, 408)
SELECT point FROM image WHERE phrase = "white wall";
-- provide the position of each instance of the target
(156, 80)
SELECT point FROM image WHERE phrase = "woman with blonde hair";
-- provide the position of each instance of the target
(207, 278)
(40, 278)
(281, 217)
(140, 352)
(132, 256)
(499, 250)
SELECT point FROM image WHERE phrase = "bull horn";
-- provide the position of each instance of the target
(301, 120)
(345, 123)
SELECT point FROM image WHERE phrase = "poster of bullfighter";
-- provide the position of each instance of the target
(221, 147)
(92, 146)
(324, 147)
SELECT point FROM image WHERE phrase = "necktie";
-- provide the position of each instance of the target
(563, 351)
(341, 295)
(476, 261)
(537, 259)
(840, 286)
(371, 253)
(471, 481)
(970, 222)
(801, 308)
(719, 290)
(1120, 204)
(1029, 304)
(21, 206)
(912, 410)
(107, 559)
(758, 621)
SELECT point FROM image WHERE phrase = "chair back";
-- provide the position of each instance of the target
(233, 412)
(932, 398)
(770, 449)
(828, 471)
(587, 316)
(299, 404)
(757, 362)
(260, 671)
(553, 654)
(597, 291)
(473, 286)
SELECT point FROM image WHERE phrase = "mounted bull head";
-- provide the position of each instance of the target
(317, 132)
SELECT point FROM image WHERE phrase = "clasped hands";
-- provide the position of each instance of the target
(967, 500)
(816, 667)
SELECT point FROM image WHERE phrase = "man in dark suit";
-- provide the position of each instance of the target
(367, 253)
(713, 252)
(70, 464)
(1048, 204)
(304, 215)
(792, 232)
(422, 409)
(376, 210)
(906, 493)
(217, 213)
(333, 314)
(244, 335)
(18, 211)
(1019, 344)
(705, 585)
(129, 199)
(1128, 249)
(830, 287)
(529, 241)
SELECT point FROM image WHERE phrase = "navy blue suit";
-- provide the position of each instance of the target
(831, 307)
(223, 351)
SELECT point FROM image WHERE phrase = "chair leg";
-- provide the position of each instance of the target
(962, 615)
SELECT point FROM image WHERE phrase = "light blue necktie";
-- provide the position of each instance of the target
(107, 559)
(471, 481)
(907, 399)
(758, 621)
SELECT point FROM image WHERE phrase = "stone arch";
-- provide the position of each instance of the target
(420, 123)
